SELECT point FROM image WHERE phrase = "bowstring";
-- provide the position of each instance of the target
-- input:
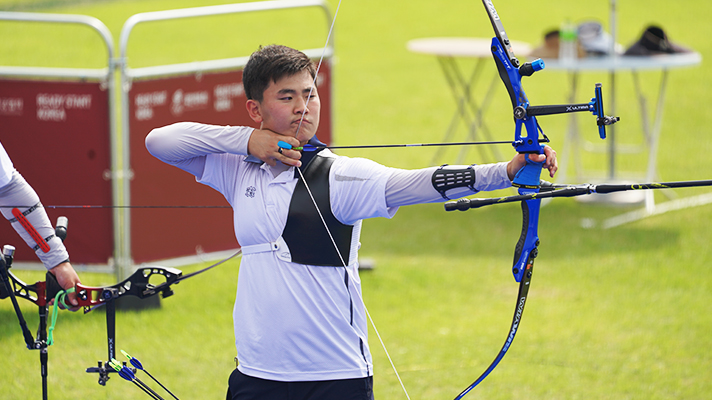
(323, 221)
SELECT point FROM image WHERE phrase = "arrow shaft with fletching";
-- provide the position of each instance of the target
(287, 146)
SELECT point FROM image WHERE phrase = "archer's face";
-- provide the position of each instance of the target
(288, 102)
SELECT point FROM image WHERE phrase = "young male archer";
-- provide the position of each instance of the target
(299, 318)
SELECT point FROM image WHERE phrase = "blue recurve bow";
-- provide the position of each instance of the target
(526, 141)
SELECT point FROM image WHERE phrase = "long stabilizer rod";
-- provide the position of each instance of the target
(551, 190)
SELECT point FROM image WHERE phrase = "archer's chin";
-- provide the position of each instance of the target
(305, 136)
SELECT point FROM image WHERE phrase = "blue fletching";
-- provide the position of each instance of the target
(128, 372)
(134, 361)
(121, 370)
(124, 375)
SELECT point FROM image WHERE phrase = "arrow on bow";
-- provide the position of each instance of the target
(310, 147)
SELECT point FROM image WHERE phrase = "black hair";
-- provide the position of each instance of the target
(271, 63)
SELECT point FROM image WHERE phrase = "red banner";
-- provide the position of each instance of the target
(215, 98)
(57, 135)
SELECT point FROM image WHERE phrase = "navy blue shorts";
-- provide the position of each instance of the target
(243, 387)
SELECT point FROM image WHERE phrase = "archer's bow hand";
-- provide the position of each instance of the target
(549, 159)
(264, 144)
(67, 278)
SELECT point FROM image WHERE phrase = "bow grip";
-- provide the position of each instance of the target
(530, 174)
(528, 180)
(137, 285)
(526, 249)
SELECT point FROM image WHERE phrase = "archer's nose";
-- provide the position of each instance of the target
(302, 107)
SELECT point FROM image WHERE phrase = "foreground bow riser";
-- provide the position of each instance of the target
(137, 285)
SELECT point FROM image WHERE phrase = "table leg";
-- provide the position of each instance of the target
(571, 147)
(652, 171)
(468, 110)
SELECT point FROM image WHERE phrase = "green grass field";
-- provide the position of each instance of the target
(613, 314)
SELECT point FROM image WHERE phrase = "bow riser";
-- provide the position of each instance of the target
(512, 79)
(138, 285)
(528, 178)
(23, 290)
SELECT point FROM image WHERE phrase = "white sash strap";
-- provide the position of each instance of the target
(277, 245)
(260, 248)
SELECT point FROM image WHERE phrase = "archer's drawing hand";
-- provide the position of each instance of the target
(549, 159)
(263, 145)
(67, 278)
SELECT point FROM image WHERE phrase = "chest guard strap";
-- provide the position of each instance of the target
(305, 234)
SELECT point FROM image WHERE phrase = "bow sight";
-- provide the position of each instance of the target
(511, 73)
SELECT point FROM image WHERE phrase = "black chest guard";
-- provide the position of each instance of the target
(305, 234)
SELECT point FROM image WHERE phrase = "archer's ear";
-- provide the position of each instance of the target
(254, 110)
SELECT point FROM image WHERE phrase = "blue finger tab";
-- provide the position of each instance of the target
(284, 145)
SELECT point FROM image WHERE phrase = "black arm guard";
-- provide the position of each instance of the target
(445, 179)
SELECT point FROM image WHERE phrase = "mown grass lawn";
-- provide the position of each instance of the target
(613, 314)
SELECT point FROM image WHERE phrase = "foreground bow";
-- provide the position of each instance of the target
(41, 293)
(531, 188)
(527, 141)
